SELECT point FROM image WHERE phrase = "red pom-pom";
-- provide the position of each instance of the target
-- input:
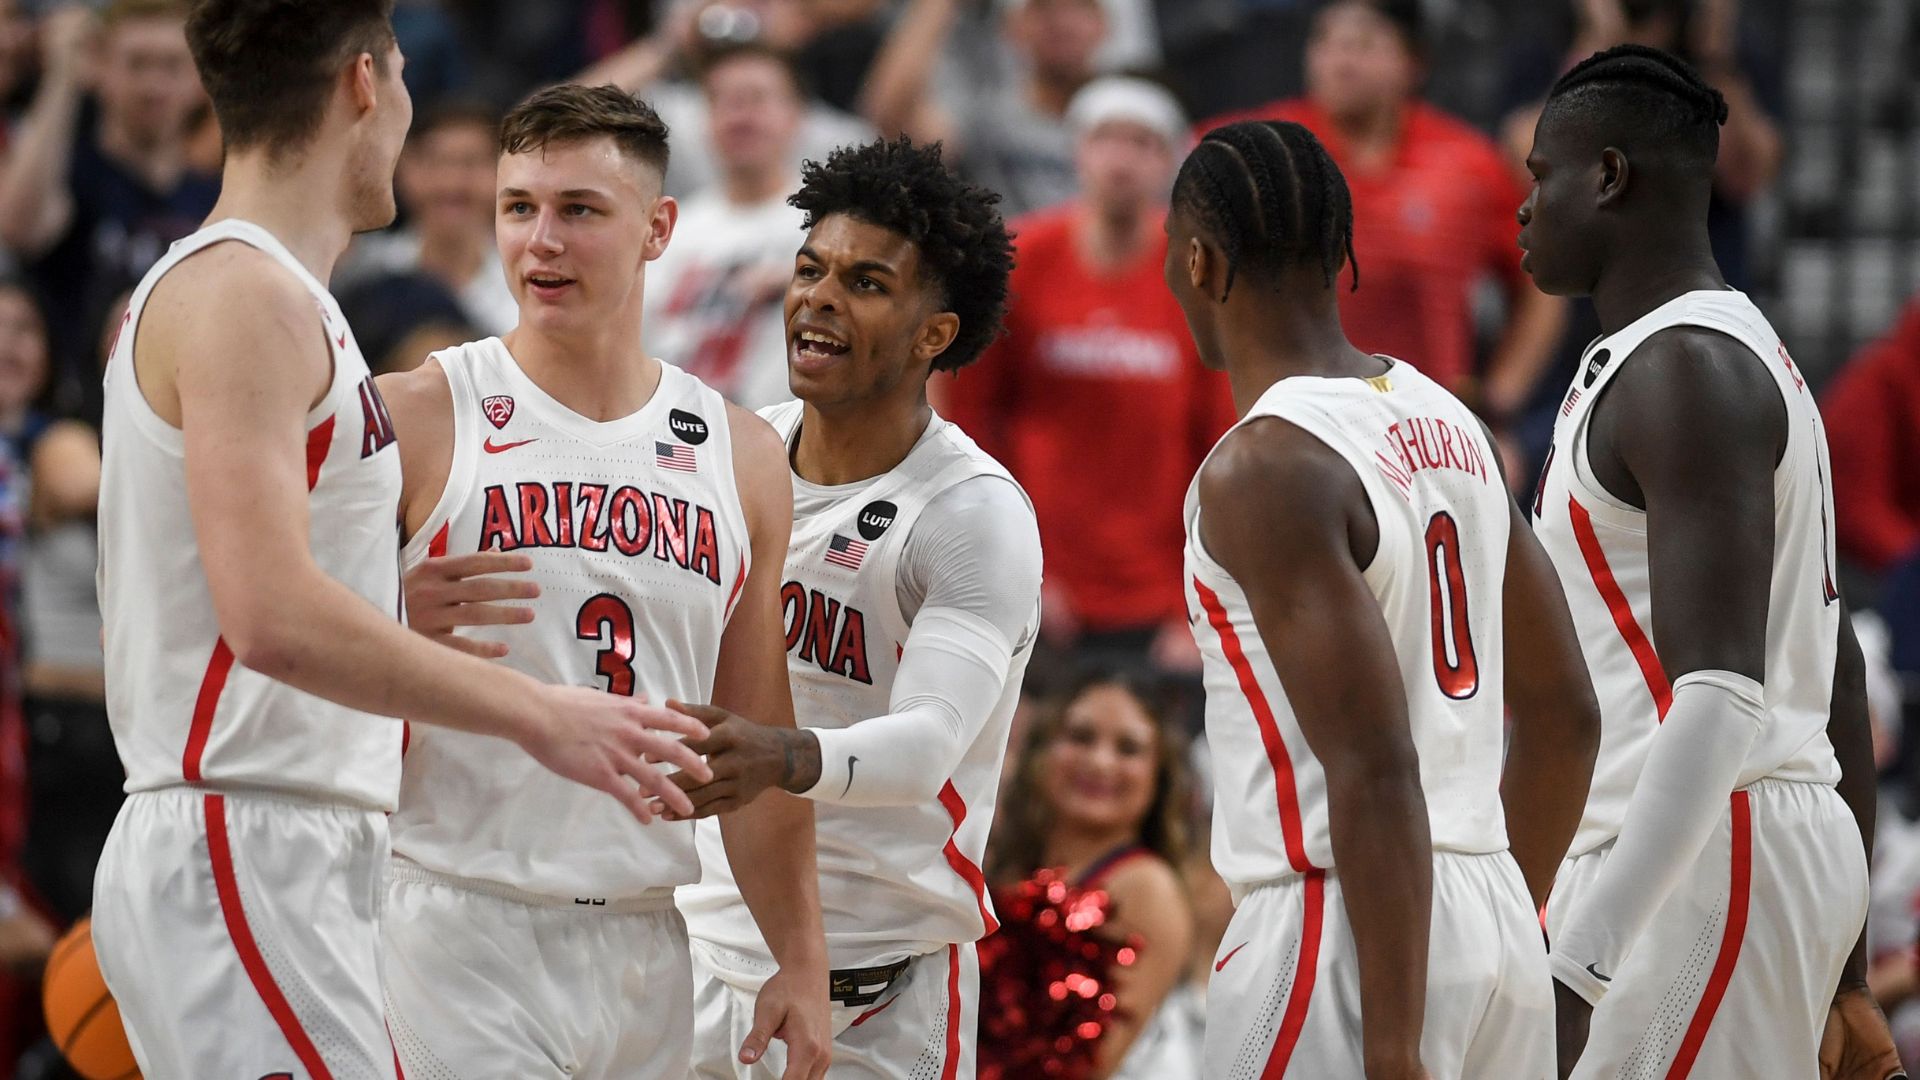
(1046, 981)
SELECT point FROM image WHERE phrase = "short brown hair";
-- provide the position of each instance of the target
(571, 113)
(269, 65)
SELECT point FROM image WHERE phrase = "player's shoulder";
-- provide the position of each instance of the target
(232, 284)
(1695, 387)
(1275, 457)
(420, 391)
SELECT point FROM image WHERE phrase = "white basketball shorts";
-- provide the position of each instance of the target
(238, 934)
(1733, 977)
(1284, 999)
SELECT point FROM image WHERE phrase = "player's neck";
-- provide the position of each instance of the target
(598, 374)
(299, 207)
(1649, 275)
(1276, 334)
(848, 444)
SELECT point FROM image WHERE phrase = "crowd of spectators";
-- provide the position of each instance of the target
(1078, 113)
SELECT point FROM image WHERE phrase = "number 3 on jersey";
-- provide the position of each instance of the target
(1454, 664)
(606, 619)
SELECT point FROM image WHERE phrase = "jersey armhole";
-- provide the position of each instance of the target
(460, 467)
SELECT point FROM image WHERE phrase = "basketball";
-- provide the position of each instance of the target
(81, 1016)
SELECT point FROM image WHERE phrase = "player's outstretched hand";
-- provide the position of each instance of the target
(746, 759)
(466, 590)
(793, 1010)
(610, 742)
(1572, 1015)
(1856, 1044)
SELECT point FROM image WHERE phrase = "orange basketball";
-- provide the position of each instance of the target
(81, 1015)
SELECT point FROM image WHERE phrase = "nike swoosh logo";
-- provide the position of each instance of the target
(492, 447)
(843, 791)
(1593, 971)
(1229, 956)
(342, 339)
(873, 1012)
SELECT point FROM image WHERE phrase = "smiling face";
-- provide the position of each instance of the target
(576, 221)
(862, 322)
(1099, 772)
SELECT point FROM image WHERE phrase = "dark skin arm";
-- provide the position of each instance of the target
(1556, 719)
(1691, 431)
(1289, 519)
(1856, 1044)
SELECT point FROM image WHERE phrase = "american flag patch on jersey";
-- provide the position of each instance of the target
(846, 551)
(674, 456)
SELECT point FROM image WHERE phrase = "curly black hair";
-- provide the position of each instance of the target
(965, 251)
(1271, 196)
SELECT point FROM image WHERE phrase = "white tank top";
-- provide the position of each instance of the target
(1599, 546)
(182, 710)
(640, 546)
(1444, 515)
(895, 881)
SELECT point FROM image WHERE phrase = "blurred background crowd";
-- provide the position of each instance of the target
(1077, 112)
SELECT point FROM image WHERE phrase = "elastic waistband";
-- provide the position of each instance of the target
(256, 795)
(652, 900)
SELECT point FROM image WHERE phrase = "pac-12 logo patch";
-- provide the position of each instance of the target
(691, 429)
(876, 518)
(1595, 366)
(499, 410)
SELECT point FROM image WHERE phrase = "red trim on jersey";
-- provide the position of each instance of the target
(739, 580)
(1294, 1020)
(319, 441)
(1286, 797)
(951, 1069)
(1730, 939)
(873, 1012)
(398, 1072)
(220, 853)
(969, 873)
(1619, 608)
(204, 706)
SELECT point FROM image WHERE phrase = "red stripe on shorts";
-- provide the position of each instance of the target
(1294, 1020)
(1737, 896)
(952, 1068)
(220, 853)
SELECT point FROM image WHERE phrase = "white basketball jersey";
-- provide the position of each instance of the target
(182, 711)
(894, 880)
(640, 546)
(1599, 546)
(1444, 516)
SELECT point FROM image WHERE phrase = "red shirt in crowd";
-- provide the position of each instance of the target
(1872, 414)
(1438, 219)
(1096, 401)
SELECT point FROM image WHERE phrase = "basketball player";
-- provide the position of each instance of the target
(529, 931)
(1366, 599)
(1718, 881)
(912, 597)
(249, 585)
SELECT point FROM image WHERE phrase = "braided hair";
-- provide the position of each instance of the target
(1270, 195)
(1643, 99)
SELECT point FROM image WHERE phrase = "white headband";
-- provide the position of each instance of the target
(1138, 101)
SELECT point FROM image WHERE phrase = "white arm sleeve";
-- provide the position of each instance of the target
(974, 556)
(1691, 768)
